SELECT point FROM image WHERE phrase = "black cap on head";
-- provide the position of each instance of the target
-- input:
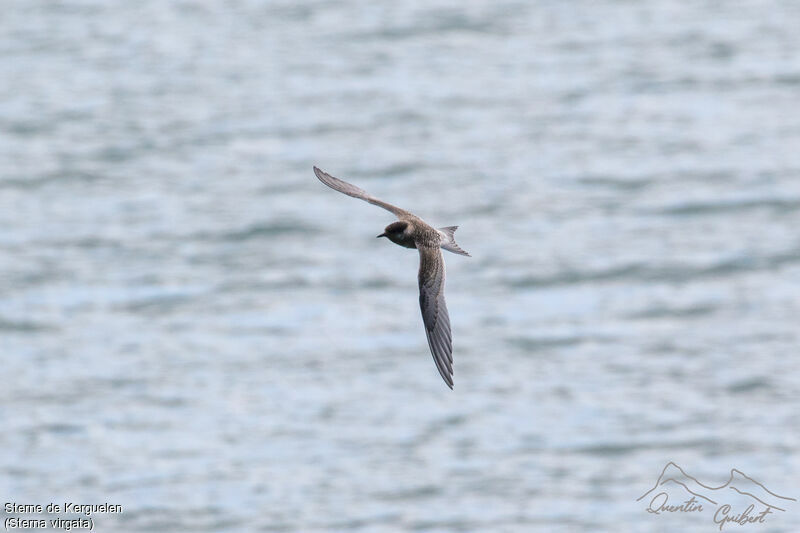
(396, 227)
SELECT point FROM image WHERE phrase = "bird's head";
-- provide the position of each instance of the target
(394, 231)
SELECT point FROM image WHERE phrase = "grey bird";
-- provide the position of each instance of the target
(413, 232)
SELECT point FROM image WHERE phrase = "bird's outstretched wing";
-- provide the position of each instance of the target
(355, 192)
(434, 310)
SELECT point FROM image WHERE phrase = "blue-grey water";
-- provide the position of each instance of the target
(195, 328)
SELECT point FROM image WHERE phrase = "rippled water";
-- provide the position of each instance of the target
(195, 328)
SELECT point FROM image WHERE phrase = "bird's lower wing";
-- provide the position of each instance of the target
(434, 310)
(351, 190)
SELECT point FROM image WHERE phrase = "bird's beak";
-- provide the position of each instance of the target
(381, 235)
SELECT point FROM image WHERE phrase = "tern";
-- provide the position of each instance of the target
(411, 231)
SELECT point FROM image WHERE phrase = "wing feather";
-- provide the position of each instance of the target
(351, 190)
(434, 310)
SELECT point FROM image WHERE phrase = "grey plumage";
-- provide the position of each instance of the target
(434, 310)
(413, 232)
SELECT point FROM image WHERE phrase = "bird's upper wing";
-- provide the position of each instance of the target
(434, 310)
(355, 192)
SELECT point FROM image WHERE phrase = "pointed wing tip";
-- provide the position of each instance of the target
(328, 180)
(447, 378)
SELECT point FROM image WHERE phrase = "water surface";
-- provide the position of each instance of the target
(195, 328)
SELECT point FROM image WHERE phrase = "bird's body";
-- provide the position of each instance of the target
(411, 231)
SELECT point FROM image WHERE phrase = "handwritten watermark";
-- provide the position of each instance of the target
(739, 501)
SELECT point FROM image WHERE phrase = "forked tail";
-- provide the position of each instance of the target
(449, 241)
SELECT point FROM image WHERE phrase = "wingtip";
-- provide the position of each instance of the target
(448, 380)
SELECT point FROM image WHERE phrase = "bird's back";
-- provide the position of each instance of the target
(425, 235)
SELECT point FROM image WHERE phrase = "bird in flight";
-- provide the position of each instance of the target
(413, 232)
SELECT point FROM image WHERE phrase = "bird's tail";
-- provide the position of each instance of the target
(449, 240)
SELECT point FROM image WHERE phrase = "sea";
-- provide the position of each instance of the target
(195, 331)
